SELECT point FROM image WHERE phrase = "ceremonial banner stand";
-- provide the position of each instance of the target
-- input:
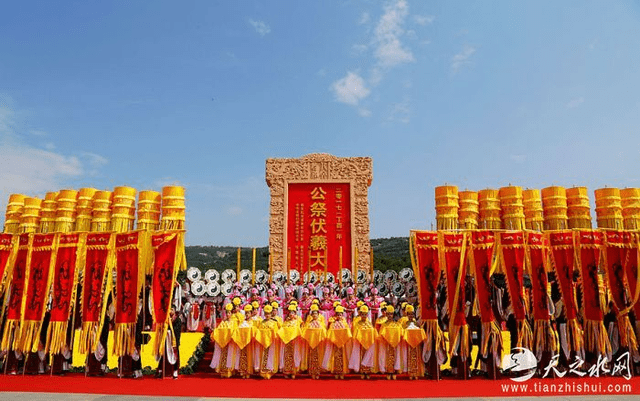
(545, 338)
(452, 256)
(481, 256)
(426, 268)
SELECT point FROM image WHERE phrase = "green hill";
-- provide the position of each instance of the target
(388, 253)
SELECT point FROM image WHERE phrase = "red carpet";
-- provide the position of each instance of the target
(206, 385)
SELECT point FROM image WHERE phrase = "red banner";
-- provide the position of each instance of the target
(318, 226)
(512, 256)
(631, 268)
(127, 273)
(453, 257)
(481, 255)
(536, 254)
(561, 243)
(14, 307)
(64, 276)
(590, 244)
(6, 249)
(428, 272)
(94, 274)
(164, 269)
(38, 276)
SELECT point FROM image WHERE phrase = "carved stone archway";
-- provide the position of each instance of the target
(319, 168)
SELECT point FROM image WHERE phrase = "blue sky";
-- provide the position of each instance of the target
(476, 94)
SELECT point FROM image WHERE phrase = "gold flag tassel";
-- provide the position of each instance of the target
(545, 337)
(525, 336)
(11, 328)
(575, 336)
(435, 340)
(596, 338)
(491, 333)
(124, 337)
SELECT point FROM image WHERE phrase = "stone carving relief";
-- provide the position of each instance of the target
(318, 167)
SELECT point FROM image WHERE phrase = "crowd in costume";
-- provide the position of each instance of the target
(265, 336)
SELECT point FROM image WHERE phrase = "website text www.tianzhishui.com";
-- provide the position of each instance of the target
(567, 387)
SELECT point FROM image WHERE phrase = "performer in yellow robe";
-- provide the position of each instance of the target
(336, 358)
(243, 337)
(225, 349)
(314, 333)
(363, 358)
(267, 344)
(316, 302)
(389, 360)
(383, 316)
(413, 337)
(291, 350)
(276, 314)
(236, 314)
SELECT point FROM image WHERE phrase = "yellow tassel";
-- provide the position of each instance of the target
(576, 340)
(546, 338)
(56, 337)
(595, 337)
(124, 337)
(525, 336)
(459, 335)
(627, 335)
(87, 338)
(10, 331)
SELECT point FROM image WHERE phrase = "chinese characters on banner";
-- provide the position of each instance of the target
(318, 225)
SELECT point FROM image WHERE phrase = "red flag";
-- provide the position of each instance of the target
(428, 272)
(481, 255)
(131, 251)
(13, 297)
(169, 257)
(99, 261)
(65, 280)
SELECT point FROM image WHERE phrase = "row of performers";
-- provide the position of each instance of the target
(204, 312)
(256, 341)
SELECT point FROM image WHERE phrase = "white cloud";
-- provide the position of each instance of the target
(359, 49)
(364, 18)
(462, 58)
(575, 102)
(321, 72)
(260, 26)
(350, 89)
(94, 159)
(518, 158)
(234, 210)
(389, 49)
(424, 19)
(37, 133)
(27, 169)
(401, 111)
(364, 112)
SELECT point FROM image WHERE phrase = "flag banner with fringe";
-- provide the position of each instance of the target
(96, 284)
(13, 298)
(536, 255)
(562, 258)
(511, 253)
(426, 269)
(545, 339)
(481, 256)
(589, 245)
(131, 251)
(452, 256)
(632, 268)
(69, 261)
(618, 245)
(7, 250)
(168, 258)
(37, 284)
